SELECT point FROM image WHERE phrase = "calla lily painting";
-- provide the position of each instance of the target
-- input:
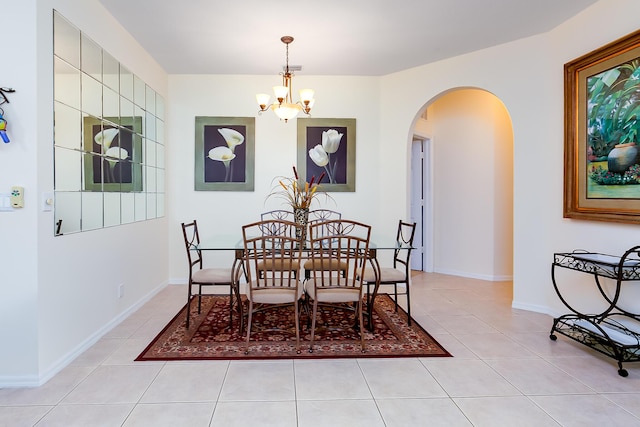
(327, 146)
(113, 162)
(224, 153)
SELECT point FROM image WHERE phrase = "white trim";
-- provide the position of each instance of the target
(63, 362)
(486, 277)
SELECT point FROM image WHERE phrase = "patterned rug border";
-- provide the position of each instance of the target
(256, 354)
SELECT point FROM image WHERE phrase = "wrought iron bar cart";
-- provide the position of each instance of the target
(614, 331)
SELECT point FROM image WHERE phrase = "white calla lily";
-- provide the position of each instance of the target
(331, 140)
(115, 154)
(105, 137)
(225, 155)
(319, 155)
(221, 154)
(232, 137)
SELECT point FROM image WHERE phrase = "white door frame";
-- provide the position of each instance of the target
(421, 201)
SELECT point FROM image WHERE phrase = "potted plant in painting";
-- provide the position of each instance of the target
(613, 109)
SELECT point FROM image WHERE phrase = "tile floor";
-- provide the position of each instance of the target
(505, 372)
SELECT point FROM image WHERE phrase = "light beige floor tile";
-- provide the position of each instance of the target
(627, 401)
(338, 413)
(103, 384)
(330, 379)
(151, 328)
(170, 415)
(268, 381)
(467, 378)
(493, 345)
(600, 373)
(428, 323)
(127, 327)
(263, 414)
(463, 324)
(128, 351)
(49, 393)
(405, 377)
(21, 416)
(585, 411)
(86, 415)
(536, 376)
(187, 383)
(98, 352)
(454, 346)
(114, 384)
(418, 412)
(504, 412)
(540, 344)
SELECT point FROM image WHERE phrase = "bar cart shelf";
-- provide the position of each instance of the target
(614, 331)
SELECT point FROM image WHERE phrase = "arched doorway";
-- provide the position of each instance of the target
(467, 185)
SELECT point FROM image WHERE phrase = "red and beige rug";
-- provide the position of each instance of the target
(210, 338)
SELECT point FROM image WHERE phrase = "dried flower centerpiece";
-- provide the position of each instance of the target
(299, 194)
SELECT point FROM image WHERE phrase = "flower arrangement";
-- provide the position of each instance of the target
(297, 193)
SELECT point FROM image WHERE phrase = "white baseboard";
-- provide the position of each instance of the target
(489, 278)
(64, 361)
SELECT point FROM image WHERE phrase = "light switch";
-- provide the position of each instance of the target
(17, 197)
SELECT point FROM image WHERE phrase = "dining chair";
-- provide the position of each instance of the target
(319, 216)
(337, 243)
(272, 262)
(200, 277)
(400, 273)
(323, 215)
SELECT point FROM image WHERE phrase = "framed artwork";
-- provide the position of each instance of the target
(602, 133)
(328, 146)
(113, 154)
(224, 153)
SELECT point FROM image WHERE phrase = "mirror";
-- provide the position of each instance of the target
(108, 138)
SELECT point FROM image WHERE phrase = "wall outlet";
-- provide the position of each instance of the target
(120, 290)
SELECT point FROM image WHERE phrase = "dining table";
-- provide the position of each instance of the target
(378, 245)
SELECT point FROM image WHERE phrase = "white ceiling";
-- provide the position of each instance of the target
(332, 37)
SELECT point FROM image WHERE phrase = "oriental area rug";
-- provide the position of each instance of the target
(210, 338)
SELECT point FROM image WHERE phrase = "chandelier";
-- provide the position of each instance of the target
(284, 107)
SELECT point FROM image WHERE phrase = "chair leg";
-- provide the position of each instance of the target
(188, 303)
(360, 320)
(408, 304)
(313, 324)
(246, 351)
(230, 306)
(297, 318)
(395, 295)
(199, 298)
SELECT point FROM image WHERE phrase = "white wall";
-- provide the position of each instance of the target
(473, 185)
(59, 294)
(527, 76)
(223, 212)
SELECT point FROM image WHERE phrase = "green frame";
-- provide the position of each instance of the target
(134, 126)
(310, 134)
(243, 123)
(583, 198)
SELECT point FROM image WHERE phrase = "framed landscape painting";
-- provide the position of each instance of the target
(328, 146)
(602, 133)
(224, 153)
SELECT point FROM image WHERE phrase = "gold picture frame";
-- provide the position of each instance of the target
(602, 120)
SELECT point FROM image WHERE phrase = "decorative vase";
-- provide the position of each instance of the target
(622, 157)
(301, 216)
